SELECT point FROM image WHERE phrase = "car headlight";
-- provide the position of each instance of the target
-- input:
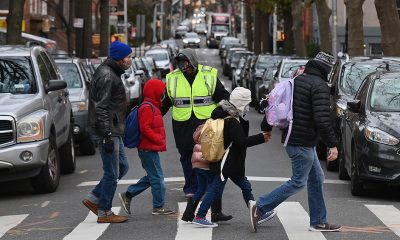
(197, 41)
(379, 136)
(79, 106)
(31, 127)
(340, 108)
(185, 41)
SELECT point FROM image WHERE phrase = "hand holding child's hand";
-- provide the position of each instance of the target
(267, 136)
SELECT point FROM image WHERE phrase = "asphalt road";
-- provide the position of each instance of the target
(60, 215)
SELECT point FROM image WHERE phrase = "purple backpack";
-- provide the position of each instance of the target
(279, 112)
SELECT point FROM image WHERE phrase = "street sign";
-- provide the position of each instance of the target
(78, 23)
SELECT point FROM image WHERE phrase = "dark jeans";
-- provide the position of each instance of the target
(115, 166)
(190, 177)
(204, 178)
(154, 178)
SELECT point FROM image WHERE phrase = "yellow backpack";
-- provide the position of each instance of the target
(212, 140)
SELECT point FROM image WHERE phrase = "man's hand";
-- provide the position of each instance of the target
(267, 136)
(108, 144)
(333, 154)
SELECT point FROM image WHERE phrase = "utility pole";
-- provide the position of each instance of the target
(155, 24)
(274, 31)
(126, 21)
(242, 26)
(334, 27)
(161, 20)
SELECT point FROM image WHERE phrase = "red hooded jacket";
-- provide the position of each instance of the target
(151, 124)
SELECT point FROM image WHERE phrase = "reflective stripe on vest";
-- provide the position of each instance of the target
(196, 98)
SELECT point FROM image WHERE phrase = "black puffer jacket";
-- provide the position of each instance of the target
(237, 133)
(107, 100)
(311, 109)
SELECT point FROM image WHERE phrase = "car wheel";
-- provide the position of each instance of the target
(67, 154)
(49, 177)
(87, 146)
(357, 186)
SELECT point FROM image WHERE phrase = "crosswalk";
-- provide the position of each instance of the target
(292, 216)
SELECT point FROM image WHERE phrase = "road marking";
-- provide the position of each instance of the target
(190, 231)
(44, 204)
(296, 222)
(182, 179)
(9, 222)
(388, 214)
(89, 229)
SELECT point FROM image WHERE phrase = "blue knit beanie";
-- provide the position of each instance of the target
(119, 50)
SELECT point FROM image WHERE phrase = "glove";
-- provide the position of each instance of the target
(108, 144)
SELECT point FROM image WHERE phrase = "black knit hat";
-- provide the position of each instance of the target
(325, 58)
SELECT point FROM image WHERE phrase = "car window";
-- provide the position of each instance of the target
(219, 28)
(71, 75)
(290, 67)
(191, 35)
(385, 95)
(16, 76)
(44, 73)
(158, 56)
(49, 64)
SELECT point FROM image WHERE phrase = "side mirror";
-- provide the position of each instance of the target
(354, 106)
(139, 72)
(55, 85)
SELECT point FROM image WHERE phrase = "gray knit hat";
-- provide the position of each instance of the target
(240, 97)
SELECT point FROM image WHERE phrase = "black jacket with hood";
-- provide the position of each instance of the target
(183, 130)
(237, 133)
(107, 100)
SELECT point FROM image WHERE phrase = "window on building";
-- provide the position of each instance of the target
(398, 6)
(375, 49)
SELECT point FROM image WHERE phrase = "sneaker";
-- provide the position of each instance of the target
(203, 222)
(92, 206)
(267, 216)
(125, 201)
(325, 227)
(112, 218)
(162, 211)
(254, 215)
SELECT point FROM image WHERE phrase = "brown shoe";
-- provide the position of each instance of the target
(92, 206)
(112, 219)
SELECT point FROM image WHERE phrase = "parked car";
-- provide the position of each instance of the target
(345, 79)
(171, 43)
(224, 52)
(78, 84)
(133, 80)
(236, 75)
(288, 66)
(150, 65)
(180, 31)
(191, 39)
(36, 121)
(227, 41)
(200, 28)
(371, 133)
(234, 61)
(32, 40)
(227, 63)
(162, 59)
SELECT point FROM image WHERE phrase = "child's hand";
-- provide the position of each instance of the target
(267, 136)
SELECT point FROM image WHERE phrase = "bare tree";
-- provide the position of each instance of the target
(390, 26)
(104, 27)
(324, 13)
(355, 14)
(257, 31)
(14, 21)
(249, 25)
(298, 23)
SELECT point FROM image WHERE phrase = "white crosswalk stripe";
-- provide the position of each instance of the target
(9, 222)
(190, 231)
(388, 214)
(295, 221)
(89, 229)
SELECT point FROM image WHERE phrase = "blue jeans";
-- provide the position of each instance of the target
(154, 178)
(190, 177)
(204, 178)
(115, 166)
(305, 169)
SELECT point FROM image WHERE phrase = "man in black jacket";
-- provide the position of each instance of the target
(107, 111)
(310, 120)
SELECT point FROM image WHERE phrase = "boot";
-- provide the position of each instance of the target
(191, 206)
(216, 212)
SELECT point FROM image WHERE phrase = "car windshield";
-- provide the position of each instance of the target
(237, 56)
(266, 61)
(71, 75)
(16, 76)
(200, 27)
(354, 73)
(219, 28)
(290, 67)
(385, 95)
(158, 56)
(191, 35)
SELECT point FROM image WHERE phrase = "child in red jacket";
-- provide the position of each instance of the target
(152, 141)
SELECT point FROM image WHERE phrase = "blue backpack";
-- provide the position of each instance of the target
(132, 130)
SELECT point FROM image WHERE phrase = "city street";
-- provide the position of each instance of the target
(61, 215)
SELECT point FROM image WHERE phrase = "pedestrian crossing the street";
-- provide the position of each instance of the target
(292, 216)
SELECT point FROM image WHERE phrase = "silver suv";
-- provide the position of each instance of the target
(36, 122)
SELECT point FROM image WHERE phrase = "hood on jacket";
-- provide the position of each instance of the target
(225, 109)
(316, 68)
(154, 89)
(240, 97)
(190, 54)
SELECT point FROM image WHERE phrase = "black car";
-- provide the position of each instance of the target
(345, 79)
(371, 133)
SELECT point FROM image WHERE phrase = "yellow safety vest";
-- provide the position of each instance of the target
(196, 98)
